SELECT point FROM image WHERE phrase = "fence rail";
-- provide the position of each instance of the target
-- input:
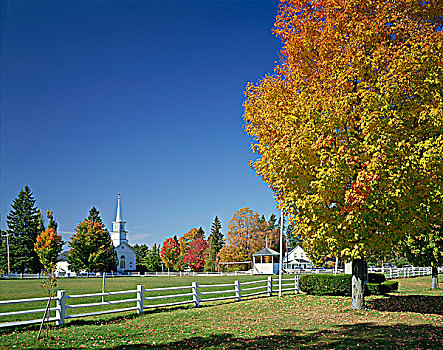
(143, 299)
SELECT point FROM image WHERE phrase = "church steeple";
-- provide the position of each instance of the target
(118, 217)
(118, 234)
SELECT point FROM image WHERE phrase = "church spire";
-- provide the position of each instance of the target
(118, 217)
(118, 234)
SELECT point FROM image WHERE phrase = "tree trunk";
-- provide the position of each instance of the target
(434, 277)
(358, 283)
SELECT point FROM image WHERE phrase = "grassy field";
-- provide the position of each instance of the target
(411, 318)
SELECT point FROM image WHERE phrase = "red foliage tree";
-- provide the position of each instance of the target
(196, 255)
(170, 252)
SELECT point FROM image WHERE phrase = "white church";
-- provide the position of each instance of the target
(125, 254)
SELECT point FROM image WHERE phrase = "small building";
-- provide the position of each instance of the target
(62, 267)
(125, 253)
(266, 268)
(297, 259)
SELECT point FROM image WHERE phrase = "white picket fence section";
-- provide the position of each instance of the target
(127, 274)
(405, 272)
(193, 294)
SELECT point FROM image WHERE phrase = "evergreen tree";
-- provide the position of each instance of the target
(94, 216)
(41, 224)
(153, 260)
(214, 245)
(272, 222)
(23, 228)
(292, 237)
(51, 223)
(141, 252)
(3, 253)
(92, 248)
(201, 233)
(216, 234)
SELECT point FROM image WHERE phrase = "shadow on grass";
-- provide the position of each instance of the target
(362, 336)
(408, 303)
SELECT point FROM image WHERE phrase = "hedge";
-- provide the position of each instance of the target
(381, 288)
(326, 284)
(376, 278)
(390, 285)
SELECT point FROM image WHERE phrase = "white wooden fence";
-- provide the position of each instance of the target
(143, 299)
(405, 272)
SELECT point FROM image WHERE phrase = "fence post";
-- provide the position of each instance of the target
(297, 284)
(390, 272)
(140, 298)
(38, 276)
(237, 290)
(60, 308)
(269, 286)
(195, 294)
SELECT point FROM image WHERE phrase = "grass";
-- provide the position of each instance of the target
(411, 318)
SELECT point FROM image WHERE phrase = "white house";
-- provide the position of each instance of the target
(125, 254)
(297, 258)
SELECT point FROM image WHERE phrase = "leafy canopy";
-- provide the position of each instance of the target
(349, 127)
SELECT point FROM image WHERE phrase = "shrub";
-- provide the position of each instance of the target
(375, 289)
(376, 278)
(390, 286)
(381, 288)
(326, 284)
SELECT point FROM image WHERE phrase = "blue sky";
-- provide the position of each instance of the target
(142, 98)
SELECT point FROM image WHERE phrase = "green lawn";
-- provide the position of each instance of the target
(411, 318)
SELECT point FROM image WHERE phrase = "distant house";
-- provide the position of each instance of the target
(62, 267)
(297, 259)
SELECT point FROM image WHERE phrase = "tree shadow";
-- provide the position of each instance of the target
(421, 304)
(362, 336)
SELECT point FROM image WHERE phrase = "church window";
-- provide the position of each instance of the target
(122, 262)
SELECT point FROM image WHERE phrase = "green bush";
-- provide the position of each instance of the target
(381, 288)
(376, 278)
(390, 286)
(326, 284)
(375, 289)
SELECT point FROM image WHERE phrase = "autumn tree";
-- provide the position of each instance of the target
(94, 216)
(349, 128)
(195, 258)
(170, 252)
(24, 222)
(51, 221)
(184, 242)
(48, 246)
(246, 235)
(91, 248)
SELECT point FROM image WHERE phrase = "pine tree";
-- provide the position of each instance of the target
(51, 223)
(217, 236)
(23, 228)
(272, 222)
(41, 224)
(94, 216)
(214, 244)
(201, 233)
(3, 252)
